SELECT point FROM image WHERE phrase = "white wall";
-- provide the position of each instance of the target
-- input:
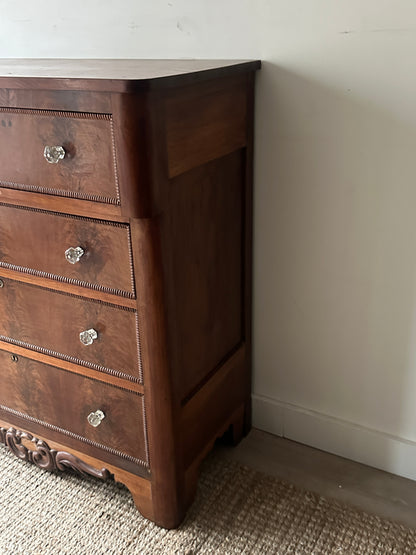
(335, 200)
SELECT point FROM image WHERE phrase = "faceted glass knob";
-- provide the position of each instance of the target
(95, 418)
(74, 254)
(53, 154)
(87, 337)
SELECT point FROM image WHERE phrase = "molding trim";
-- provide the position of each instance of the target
(340, 437)
(73, 360)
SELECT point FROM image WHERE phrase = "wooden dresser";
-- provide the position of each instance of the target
(125, 268)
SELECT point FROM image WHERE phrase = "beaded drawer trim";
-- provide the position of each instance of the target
(73, 281)
(76, 436)
(62, 192)
(129, 294)
(55, 113)
(69, 358)
(75, 360)
(70, 281)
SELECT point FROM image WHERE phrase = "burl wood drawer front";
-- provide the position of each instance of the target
(59, 399)
(36, 242)
(86, 171)
(51, 322)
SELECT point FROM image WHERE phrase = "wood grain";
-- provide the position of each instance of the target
(205, 122)
(209, 412)
(113, 75)
(62, 100)
(51, 322)
(64, 400)
(67, 205)
(71, 367)
(132, 154)
(88, 169)
(35, 242)
(70, 289)
(202, 238)
(161, 407)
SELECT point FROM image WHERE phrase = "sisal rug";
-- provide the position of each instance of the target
(237, 510)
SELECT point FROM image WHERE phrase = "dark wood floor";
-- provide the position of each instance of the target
(369, 489)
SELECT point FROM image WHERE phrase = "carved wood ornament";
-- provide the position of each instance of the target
(21, 443)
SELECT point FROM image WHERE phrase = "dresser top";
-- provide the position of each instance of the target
(113, 75)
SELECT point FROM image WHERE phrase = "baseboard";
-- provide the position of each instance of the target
(346, 439)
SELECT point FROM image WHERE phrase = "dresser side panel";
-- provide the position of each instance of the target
(203, 233)
(204, 122)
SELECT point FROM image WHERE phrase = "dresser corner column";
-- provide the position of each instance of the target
(161, 411)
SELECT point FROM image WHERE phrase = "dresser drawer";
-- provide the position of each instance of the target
(36, 242)
(57, 398)
(88, 168)
(51, 322)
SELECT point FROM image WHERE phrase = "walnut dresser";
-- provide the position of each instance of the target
(125, 268)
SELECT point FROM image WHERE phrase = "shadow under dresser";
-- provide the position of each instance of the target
(125, 268)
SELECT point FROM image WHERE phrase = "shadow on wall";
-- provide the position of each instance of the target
(335, 255)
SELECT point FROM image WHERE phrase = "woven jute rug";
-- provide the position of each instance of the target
(237, 510)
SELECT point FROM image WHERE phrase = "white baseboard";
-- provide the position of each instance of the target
(346, 439)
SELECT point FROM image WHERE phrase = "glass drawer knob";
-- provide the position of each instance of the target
(87, 337)
(74, 254)
(53, 154)
(95, 418)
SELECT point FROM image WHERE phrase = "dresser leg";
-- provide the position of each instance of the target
(240, 424)
(154, 506)
(160, 511)
(143, 505)
(159, 504)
